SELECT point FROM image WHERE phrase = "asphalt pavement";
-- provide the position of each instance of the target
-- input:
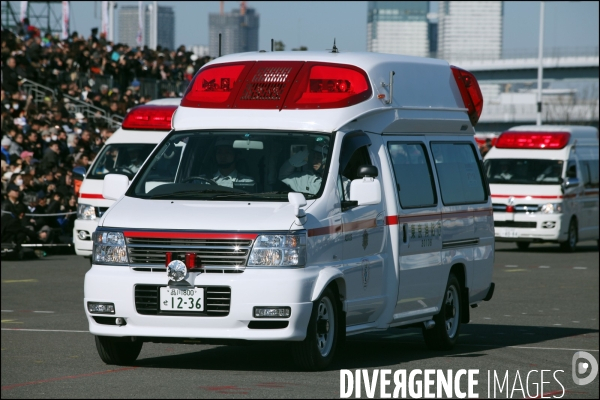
(545, 308)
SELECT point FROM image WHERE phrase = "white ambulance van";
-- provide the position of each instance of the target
(544, 184)
(301, 197)
(124, 152)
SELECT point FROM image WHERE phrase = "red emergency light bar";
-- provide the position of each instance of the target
(150, 117)
(277, 85)
(470, 93)
(533, 140)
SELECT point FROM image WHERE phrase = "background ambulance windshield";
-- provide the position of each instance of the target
(235, 165)
(120, 158)
(524, 172)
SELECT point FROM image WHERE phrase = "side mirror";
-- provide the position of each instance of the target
(365, 191)
(570, 182)
(115, 186)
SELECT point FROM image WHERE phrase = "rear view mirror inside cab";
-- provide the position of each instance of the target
(248, 144)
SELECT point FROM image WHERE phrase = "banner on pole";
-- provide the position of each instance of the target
(65, 20)
(105, 19)
(23, 11)
(140, 34)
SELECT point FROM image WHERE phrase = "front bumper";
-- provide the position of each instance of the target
(84, 247)
(544, 227)
(254, 287)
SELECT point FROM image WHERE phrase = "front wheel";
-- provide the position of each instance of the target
(444, 334)
(317, 350)
(118, 351)
(569, 245)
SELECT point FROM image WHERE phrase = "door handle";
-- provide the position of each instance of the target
(404, 235)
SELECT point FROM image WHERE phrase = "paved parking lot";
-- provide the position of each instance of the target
(545, 308)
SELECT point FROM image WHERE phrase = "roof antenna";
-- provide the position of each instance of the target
(272, 44)
(219, 45)
(335, 49)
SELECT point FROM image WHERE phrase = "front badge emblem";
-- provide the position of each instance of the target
(176, 271)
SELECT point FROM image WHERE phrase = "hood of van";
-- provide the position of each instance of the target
(525, 194)
(225, 216)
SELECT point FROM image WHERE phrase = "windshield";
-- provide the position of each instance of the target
(524, 172)
(120, 158)
(234, 165)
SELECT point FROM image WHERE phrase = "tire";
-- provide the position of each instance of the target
(118, 351)
(523, 245)
(317, 350)
(444, 335)
(569, 245)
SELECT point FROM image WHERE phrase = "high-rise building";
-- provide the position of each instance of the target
(128, 26)
(238, 29)
(470, 29)
(398, 27)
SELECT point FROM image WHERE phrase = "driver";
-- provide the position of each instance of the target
(227, 174)
(303, 172)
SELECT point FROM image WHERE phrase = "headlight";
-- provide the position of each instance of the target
(551, 208)
(85, 211)
(278, 250)
(110, 248)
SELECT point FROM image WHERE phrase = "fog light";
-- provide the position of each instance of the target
(548, 224)
(120, 321)
(83, 235)
(101, 308)
(272, 312)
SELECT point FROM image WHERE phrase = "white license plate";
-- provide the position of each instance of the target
(172, 299)
(512, 233)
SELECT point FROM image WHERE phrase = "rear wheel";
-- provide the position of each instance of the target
(523, 245)
(118, 351)
(317, 350)
(571, 242)
(444, 334)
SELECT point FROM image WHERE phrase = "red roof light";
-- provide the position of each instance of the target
(150, 117)
(533, 140)
(278, 85)
(470, 93)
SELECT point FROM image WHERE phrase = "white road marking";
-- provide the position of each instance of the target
(548, 348)
(557, 324)
(507, 315)
(544, 266)
(44, 312)
(43, 330)
(579, 267)
(511, 266)
(576, 322)
(486, 318)
(7, 311)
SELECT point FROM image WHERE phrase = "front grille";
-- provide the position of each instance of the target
(211, 254)
(514, 224)
(217, 301)
(519, 208)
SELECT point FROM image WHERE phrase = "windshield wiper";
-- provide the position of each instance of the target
(187, 192)
(265, 194)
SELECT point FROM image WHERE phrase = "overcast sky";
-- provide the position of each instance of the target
(315, 24)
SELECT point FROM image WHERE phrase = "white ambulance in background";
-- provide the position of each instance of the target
(124, 153)
(544, 183)
(301, 197)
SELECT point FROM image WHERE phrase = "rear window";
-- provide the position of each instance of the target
(458, 173)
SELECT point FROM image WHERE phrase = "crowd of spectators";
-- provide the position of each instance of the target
(42, 142)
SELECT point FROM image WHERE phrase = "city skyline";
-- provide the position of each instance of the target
(315, 25)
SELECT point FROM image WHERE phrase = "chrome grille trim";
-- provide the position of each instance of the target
(211, 254)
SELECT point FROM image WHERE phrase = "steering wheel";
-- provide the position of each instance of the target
(126, 170)
(199, 178)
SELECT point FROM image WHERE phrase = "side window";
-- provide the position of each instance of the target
(572, 169)
(414, 180)
(593, 169)
(584, 172)
(358, 158)
(458, 173)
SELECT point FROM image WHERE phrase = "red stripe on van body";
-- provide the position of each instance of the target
(91, 196)
(505, 196)
(188, 235)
